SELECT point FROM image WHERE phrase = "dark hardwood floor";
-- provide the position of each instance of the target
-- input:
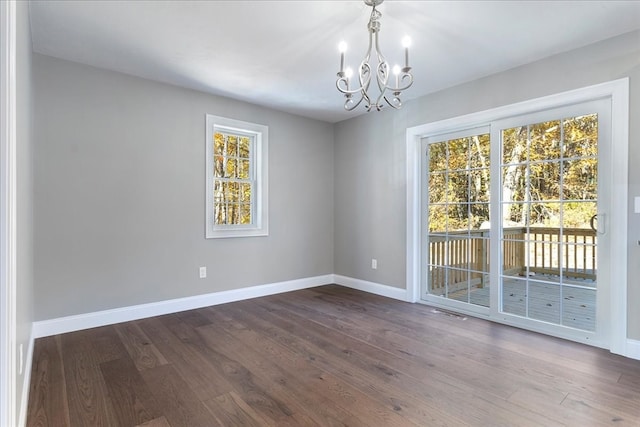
(328, 356)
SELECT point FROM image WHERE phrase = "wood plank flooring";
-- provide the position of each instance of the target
(327, 356)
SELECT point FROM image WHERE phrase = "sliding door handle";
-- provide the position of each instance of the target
(600, 229)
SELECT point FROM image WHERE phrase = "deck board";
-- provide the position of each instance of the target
(577, 305)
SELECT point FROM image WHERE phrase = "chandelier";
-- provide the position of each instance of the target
(389, 91)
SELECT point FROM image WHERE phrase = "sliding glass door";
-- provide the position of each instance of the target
(515, 220)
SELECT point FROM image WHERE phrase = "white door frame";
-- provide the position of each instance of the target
(8, 213)
(618, 92)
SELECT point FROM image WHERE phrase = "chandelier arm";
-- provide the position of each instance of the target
(354, 106)
(381, 59)
(395, 102)
(401, 78)
(382, 72)
(345, 88)
(364, 79)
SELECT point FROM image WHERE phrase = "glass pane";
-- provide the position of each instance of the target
(544, 301)
(438, 156)
(232, 191)
(232, 146)
(236, 213)
(514, 253)
(545, 214)
(458, 217)
(245, 213)
(218, 166)
(231, 168)
(218, 143)
(458, 285)
(436, 278)
(243, 172)
(579, 214)
(479, 185)
(514, 183)
(580, 179)
(437, 218)
(479, 292)
(545, 181)
(479, 254)
(480, 146)
(245, 190)
(479, 219)
(244, 147)
(544, 258)
(458, 187)
(515, 214)
(514, 145)
(579, 308)
(545, 141)
(514, 296)
(437, 250)
(581, 136)
(437, 188)
(458, 250)
(458, 154)
(579, 261)
(219, 214)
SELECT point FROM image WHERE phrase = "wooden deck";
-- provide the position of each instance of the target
(327, 356)
(575, 307)
(459, 264)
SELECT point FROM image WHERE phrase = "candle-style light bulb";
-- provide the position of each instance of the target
(348, 72)
(406, 42)
(396, 71)
(342, 48)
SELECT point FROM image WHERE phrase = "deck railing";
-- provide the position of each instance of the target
(457, 257)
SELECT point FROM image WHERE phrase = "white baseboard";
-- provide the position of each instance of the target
(26, 382)
(78, 322)
(633, 349)
(372, 287)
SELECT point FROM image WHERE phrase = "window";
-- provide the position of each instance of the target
(236, 201)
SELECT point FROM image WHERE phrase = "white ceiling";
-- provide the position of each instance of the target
(283, 54)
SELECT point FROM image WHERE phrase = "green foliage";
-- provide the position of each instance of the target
(459, 183)
(233, 189)
(548, 172)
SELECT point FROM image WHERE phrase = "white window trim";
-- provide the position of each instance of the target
(618, 92)
(260, 133)
(8, 220)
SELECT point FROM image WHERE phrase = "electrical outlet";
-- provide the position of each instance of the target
(203, 272)
(374, 263)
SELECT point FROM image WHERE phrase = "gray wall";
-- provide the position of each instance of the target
(120, 194)
(24, 182)
(119, 183)
(370, 159)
